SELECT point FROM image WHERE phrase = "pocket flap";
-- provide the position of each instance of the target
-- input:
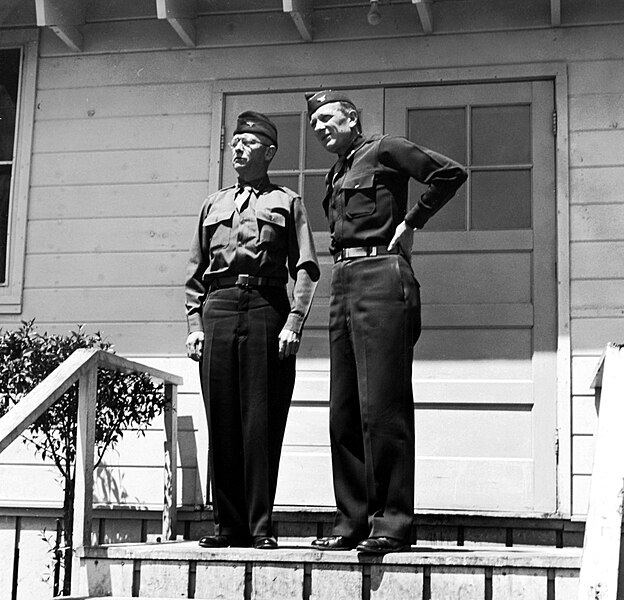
(358, 181)
(272, 217)
(213, 218)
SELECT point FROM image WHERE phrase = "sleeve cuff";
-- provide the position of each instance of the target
(194, 323)
(294, 323)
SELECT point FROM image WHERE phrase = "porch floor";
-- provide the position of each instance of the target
(182, 569)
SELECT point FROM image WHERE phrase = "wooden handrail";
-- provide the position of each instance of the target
(603, 529)
(82, 366)
(44, 395)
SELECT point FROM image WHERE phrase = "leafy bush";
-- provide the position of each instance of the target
(124, 401)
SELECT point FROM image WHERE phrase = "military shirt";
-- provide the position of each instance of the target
(367, 189)
(261, 231)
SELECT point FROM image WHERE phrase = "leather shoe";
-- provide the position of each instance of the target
(334, 542)
(381, 545)
(221, 541)
(265, 543)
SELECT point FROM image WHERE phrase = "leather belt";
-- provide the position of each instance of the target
(245, 281)
(363, 252)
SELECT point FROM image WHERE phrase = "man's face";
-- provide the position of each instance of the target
(250, 156)
(334, 127)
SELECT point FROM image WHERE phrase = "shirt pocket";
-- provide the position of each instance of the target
(271, 228)
(359, 195)
(218, 225)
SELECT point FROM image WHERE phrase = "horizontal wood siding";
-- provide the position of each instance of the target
(596, 243)
(121, 163)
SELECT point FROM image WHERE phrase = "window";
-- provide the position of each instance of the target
(18, 58)
(9, 84)
(494, 143)
(301, 157)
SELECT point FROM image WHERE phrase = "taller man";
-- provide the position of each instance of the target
(374, 319)
(246, 332)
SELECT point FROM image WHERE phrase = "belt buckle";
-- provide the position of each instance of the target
(357, 252)
(372, 251)
(243, 281)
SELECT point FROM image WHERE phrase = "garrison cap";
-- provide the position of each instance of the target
(317, 99)
(258, 124)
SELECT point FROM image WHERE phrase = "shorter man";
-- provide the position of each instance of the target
(246, 332)
(374, 319)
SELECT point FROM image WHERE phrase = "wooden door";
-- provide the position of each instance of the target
(484, 370)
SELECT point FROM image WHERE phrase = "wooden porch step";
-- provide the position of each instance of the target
(184, 570)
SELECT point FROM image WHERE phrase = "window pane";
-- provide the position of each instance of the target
(290, 181)
(451, 217)
(287, 156)
(500, 200)
(440, 129)
(9, 78)
(501, 135)
(313, 194)
(5, 186)
(316, 156)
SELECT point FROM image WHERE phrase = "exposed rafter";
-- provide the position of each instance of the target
(62, 17)
(424, 12)
(301, 13)
(181, 15)
(555, 13)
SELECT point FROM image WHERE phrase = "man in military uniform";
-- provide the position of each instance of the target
(245, 331)
(374, 320)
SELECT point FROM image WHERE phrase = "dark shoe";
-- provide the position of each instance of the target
(222, 541)
(334, 542)
(265, 543)
(382, 545)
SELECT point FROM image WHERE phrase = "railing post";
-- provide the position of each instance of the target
(603, 528)
(85, 449)
(169, 524)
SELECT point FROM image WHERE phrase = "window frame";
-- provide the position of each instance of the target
(11, 290)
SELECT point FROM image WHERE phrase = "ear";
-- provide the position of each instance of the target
(353, 116)
(269, 152)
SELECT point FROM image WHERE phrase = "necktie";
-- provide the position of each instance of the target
(340, 165)
(242, 197)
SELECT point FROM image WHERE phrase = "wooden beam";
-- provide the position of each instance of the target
(555, 13)
(70, 36)
(424, 13)
(61, 16)
(300, 12)
(181, 15)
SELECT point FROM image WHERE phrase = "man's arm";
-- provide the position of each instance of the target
(195, 294)
(304, 269)
(442, 175)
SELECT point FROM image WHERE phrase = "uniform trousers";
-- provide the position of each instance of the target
(374, 324)
(247, 391)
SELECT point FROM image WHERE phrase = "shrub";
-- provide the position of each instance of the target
(123, 401)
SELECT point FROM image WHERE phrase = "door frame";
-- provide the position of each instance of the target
(554, 71)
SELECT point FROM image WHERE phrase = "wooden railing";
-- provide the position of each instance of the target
(603, 529)
(82, 366)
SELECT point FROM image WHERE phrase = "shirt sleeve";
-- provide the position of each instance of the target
(194, 285)
(302, 265)
(443, 175)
